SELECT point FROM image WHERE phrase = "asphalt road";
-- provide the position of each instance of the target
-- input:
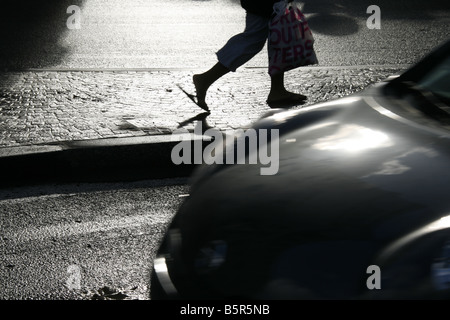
(83, 241)
(187, 33)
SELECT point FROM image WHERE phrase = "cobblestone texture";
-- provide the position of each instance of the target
(48, 106)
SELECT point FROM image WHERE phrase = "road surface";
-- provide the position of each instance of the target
(187, 33)
(83, 241)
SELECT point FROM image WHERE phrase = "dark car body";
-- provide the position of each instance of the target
(359, 208)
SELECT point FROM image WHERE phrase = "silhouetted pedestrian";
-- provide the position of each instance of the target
(240, 49)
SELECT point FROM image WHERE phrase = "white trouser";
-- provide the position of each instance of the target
(244, 46)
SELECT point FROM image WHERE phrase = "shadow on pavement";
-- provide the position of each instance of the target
(343, 17)
(30, 29)
(30, 33)
(333, 25)
(399, 9)
(201, 117)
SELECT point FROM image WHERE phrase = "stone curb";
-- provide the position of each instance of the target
(100, 160)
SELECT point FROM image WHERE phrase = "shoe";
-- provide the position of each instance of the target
(194, 99)
(201, 103)
(290, 100)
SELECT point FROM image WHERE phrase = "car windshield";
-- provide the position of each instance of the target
(437, 80)
(425, 88)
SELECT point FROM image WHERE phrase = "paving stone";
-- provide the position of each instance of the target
(48, 106)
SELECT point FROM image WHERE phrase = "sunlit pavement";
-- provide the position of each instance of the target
(42, 107)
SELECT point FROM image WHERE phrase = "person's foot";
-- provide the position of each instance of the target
(200, 89)
(285, 99)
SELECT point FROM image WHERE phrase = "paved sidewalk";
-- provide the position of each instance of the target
(43, 110)
(44, 106)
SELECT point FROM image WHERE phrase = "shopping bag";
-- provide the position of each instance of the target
(290, 43)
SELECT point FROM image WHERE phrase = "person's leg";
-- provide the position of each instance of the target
(203, 81)
(237, 51)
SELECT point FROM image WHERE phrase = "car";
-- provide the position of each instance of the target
(358, 208)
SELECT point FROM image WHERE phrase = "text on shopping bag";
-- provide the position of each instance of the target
(290, 41)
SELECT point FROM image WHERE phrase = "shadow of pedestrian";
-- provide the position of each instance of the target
(201, 117)
(333, 24)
